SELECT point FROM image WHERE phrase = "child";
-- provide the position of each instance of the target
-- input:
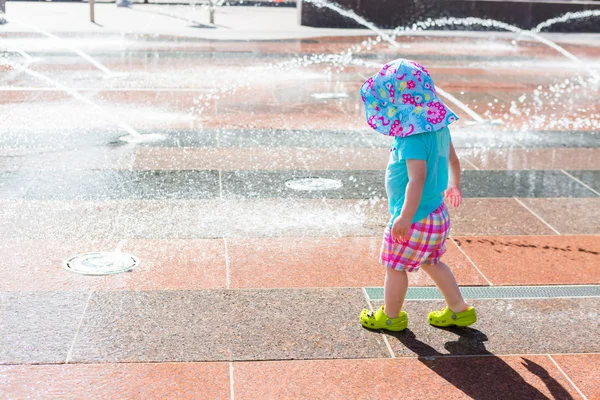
(401, 101)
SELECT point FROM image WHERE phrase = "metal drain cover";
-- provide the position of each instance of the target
(101, 263)
(313, 183)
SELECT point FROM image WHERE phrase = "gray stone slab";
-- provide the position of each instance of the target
(590, 178)
(177, 219)
(571, 139)
(67, 138)
(58, 219)
(14, 184)
(521, 184)
(162, 326)
(231, 218)
(537, 326)
(252, 184)
(38, 327)
(301, 324)
(107, 185)
(155, 326)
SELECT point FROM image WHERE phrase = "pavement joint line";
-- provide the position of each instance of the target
(244, 361)
(385, 340)
(231, 382)
(471, 261)
(227, 264)
(471, 164)
(536, 215)
(70, 352)
(220, 184)
(580, 182)
(567, 376)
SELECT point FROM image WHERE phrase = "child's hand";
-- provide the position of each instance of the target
(454, 195)
(401, 229)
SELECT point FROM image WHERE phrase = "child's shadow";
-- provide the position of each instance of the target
(487, 377)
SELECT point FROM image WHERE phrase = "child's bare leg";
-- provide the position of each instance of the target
(445, 281)
(394, 291)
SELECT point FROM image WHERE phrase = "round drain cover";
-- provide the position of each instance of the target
(102, 263)
(313, 183)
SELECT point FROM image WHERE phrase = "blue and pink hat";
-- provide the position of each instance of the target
(401, 100)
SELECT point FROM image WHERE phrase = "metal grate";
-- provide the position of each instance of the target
(498, 292)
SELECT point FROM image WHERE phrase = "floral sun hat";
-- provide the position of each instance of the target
(401, 100)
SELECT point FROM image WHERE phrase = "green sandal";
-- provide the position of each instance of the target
(379, 320)
(446, 317)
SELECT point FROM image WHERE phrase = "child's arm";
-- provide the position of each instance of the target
(417, 172)
(454, 193)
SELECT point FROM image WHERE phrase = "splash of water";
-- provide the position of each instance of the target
(352, 15)
(135, 136)
(66, 45)
(570, 16)
(429, 23)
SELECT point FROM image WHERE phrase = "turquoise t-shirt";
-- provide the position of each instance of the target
(434, 148)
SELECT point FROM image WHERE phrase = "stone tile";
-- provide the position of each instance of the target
(29, 137)
(108, 157)
(261, 325)
(324, 262)
(276, 138)
(108, 185)
(590, 178)
(534, 159)
(58, 219)
(526, 377)
(583, 371)
(39, 327)
(254, 159)
(357, 185)
(569, 216)
(231, 219)
(155, 326)
(495, 217)
(524, 329)
(174, 264)
(521, 184)
(535, 260)
(218, 325)
(554, 139)
(14, 184)
(101, 381)
(37, 265)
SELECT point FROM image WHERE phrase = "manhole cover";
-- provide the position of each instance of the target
(312, 183)
(104, 263)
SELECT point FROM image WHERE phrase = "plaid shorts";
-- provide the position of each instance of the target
(427, 243)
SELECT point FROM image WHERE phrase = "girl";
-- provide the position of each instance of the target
(401, 101)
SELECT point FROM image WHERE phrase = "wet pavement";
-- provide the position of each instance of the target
(246, 287)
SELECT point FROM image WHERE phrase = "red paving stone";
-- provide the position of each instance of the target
(535, 260)
(584, 371)
(570, 216)
(112, 381)
(324, 262)
(164, 265)
(495, 217)
(509, 377)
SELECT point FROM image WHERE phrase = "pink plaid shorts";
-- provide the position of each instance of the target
(427, 243)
